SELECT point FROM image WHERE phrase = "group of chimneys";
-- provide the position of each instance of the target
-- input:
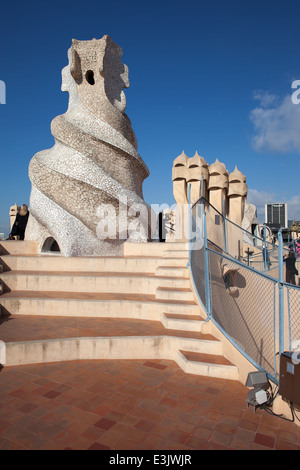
(213, 182)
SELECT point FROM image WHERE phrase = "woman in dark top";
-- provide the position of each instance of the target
(291, 270)
(19, 226)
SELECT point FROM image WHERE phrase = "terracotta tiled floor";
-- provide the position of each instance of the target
(134, 405)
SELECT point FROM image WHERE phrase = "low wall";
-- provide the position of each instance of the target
(89, 348)
(18, 247)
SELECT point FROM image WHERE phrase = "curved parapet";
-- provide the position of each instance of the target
(94, 168)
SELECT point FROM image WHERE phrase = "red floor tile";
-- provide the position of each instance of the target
(144, 425)
(131, 405)
(285, 445)
(105, 423)
(264, 440)
(98, 446)
(51, 394)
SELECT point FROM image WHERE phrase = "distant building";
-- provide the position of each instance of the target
(276, 216)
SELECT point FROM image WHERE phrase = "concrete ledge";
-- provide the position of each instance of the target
(2, 352)
(70, 349)
(151, 248)
(18, 247)
(221, 371)
(171, 253)
(183, 295)
(120, 347)
(172, 271)
(125, 347)
(80, 264)
(113, 308)
(176, 262)
(103, 283)
(182, 324)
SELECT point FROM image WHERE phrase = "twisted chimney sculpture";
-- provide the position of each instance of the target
(94, 165)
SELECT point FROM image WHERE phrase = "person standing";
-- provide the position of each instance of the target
(266, 257)
(291, 271)
(19, 226)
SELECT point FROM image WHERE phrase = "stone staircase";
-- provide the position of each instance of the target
(150, 283)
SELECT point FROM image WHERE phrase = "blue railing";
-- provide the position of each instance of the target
(250, 306)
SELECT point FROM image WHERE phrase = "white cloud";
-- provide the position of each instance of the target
(276, 124)
(265, 97)
(294, 208)
(260, 198)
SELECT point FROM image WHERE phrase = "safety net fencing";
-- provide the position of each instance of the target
(242, 300)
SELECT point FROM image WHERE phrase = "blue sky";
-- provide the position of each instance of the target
(213, 76)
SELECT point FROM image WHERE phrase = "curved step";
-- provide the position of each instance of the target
(207, 364)
(183, 322)
(20, 328)
(10, 247)
(47, 339)
(177, 294)
(152, 248)
(172, 271)
(87, 304)
(106, 282)
(81, 264)
(184, 254)
(177, 262)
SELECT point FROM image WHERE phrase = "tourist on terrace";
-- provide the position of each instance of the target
(266, 257)
(19, 226)
(291, 270)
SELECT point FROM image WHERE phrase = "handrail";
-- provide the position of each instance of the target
(273, 302)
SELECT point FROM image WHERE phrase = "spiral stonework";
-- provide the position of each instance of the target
(94, 162)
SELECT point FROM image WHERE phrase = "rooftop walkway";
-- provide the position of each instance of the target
(32, 327)
(125, 363)
(131, 405)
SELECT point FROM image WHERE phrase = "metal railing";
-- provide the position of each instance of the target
(248, 301)
(293, 300)
(251, 249)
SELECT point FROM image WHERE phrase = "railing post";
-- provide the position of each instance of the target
(190, 224)
(281, 293)
(224, 225)
(265, 250)
(207, 289)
